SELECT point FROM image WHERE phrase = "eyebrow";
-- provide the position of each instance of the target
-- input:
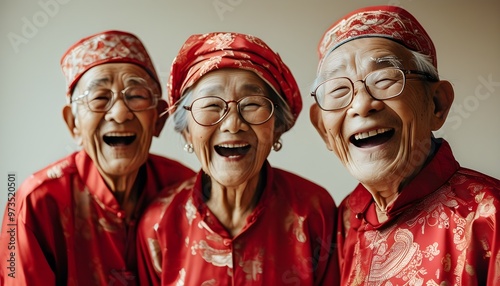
(105, 81)
(98, 82)
(379, 62)
(135, 81)
(253, 88)
(391, 60)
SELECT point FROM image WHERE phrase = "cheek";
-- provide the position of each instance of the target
(415, 104)
(147, 121)
(265, 133)
(200, 136)
(87, 123)
(333, 123)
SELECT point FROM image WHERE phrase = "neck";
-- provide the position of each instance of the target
(385, 192)
(232, 205)
(125, 189)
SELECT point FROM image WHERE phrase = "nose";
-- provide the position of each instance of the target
(119, 111)
(233, 122)
(363, 104)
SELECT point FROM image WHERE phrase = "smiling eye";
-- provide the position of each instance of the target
(100, 94)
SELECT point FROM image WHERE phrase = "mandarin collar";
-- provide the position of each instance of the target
(435, 174)
(98, 189)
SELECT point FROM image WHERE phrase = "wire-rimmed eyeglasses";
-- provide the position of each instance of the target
(210, 110)
(337, 93)
(136, 98)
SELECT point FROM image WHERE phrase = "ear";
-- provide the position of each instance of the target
(317, 122)
(443, 96)
(160, 122)
(70, 120)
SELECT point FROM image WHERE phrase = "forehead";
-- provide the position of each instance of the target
(112, 72)
(366, 53)
(228, 74)
(230, 78)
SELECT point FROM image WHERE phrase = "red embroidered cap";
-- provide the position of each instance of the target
(101, 48)
(391, 22)
(203, 53)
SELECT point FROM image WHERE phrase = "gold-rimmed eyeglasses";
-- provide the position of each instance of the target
(136, 98)
(337, 93)
(210, 110)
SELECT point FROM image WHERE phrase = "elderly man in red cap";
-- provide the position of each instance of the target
(239, 221)
(76, 219)
(417, 217)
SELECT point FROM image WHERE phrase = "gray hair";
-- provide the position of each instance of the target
(424, 63)
(283, 115)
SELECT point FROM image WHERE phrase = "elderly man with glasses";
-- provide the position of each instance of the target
(417, 217)
(76, 219)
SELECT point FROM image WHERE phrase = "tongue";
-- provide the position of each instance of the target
(119, 140)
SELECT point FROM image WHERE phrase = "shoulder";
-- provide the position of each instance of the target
(162, 161)
(157, 208)
(470, 177)
(163, 165)
(473, 186)
(40, 197)
(467, 183)
(49, 180)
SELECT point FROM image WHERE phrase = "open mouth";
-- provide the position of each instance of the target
(119, 139)
(372, 138)
(232, 150)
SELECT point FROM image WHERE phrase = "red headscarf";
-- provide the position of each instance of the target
(102, 48)
(203, 53)
(389, 22)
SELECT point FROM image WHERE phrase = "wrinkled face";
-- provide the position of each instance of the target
(231, 152)
(118, 140)
(378, 140)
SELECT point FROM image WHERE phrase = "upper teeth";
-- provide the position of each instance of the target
(232, 145)
(371, 133)
(117, 134)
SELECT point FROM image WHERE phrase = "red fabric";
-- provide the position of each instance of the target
(104, 47)
(70, 229)
(287, 239)
(390, 22)
(443, 229)
(201, 54)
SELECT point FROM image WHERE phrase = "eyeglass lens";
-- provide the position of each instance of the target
(136, 98)
(211, 109)
(381, 84)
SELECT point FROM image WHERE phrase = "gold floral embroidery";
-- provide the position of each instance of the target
(431, 251)
(252, 268)
(155, 252)
(211, 282)
(298, 230)
(217, 257)
(56, 171)
(446, 262)
(190, 211)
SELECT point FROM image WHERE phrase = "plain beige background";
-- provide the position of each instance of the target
(35, 34)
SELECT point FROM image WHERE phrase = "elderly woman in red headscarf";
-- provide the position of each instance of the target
(239, 221)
